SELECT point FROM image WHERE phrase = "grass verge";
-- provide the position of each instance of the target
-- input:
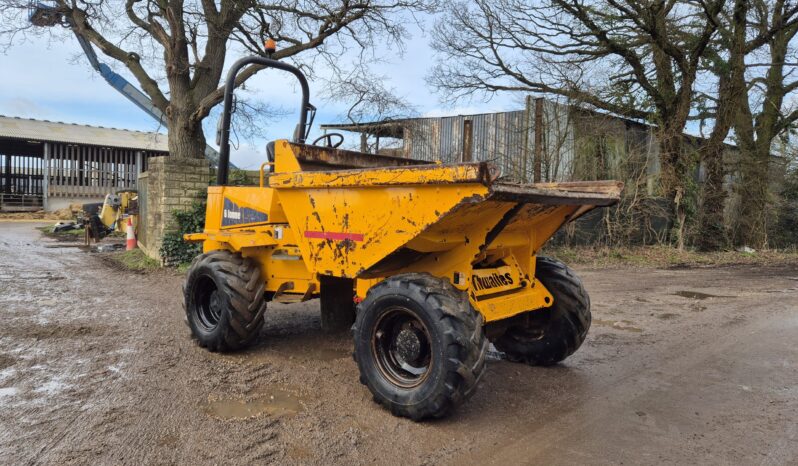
(49, 231)
(134, 260)
(663, 256)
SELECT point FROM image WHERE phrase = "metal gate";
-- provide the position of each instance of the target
(21, 182)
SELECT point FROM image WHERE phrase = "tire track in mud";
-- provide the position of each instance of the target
(134, 388)
(63, 345)
(646, 379)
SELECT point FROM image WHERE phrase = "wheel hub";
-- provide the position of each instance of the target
(402, 348)
(408, 345)
(215, 303)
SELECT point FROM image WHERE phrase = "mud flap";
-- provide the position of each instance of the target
(337, 303)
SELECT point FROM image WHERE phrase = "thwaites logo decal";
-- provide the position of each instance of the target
(494, 280)
(236, 215)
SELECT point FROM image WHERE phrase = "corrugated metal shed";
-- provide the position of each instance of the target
(507, 139)
(43, 130)
(497, 137)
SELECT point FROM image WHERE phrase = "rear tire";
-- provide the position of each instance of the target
(547, 336)
(419, 345)
(223, 297)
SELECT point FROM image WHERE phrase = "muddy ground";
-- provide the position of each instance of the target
(681, 366)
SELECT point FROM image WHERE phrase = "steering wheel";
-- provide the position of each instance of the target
(329, 138)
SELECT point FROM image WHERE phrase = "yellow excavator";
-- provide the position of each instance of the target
(426, 262)
(102, 219)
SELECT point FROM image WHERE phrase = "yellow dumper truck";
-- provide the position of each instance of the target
(426, 262)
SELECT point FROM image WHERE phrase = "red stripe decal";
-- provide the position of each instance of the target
(334, 236)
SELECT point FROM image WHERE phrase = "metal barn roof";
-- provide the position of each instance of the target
(56, 131)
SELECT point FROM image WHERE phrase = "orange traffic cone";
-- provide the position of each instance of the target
(131, 236)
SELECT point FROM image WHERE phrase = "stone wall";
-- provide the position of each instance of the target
(169, 184)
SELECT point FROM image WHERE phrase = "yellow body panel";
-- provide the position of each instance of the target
(343, 232)
(116, 217)
(369, 224)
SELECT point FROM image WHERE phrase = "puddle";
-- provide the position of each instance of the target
(785, 290)
(698, 308)
(698, 295)
(618, 325)
(276, 402)
(23, 276)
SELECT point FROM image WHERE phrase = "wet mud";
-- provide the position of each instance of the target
(681, 366)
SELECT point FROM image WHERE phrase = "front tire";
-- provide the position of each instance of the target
(547, 336)
(223, 299)
(419, 345)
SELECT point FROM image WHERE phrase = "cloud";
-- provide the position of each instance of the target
(248, 157)
(49, 78)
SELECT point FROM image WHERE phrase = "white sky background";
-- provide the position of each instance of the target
(51, 80)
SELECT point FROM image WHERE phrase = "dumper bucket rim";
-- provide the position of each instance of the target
(594, 193)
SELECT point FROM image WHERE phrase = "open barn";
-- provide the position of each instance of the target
(48, 165)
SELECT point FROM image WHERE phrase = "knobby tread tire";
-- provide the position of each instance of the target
(462, 340)
(558, 330)
(241, 289)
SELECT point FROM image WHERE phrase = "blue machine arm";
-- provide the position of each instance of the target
(47, 15)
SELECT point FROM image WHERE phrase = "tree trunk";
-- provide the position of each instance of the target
(754, 200)
(186, 138)
(673, 175)
(711, 222)
(756, 134)
(732, 97)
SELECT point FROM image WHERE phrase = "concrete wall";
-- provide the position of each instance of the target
(169, 184)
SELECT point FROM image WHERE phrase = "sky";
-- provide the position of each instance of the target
(49, 79)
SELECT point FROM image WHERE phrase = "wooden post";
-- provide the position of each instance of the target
(468, 140)
(538, 138)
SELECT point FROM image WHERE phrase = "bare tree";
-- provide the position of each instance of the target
(638, 59)
(766, 114)
(366, 98)
(749, 58)
(176, 50)
(727, 62)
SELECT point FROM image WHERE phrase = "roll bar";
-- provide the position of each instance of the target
(229, 86)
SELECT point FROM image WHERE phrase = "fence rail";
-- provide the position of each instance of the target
(61, 170)
(20, 202)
